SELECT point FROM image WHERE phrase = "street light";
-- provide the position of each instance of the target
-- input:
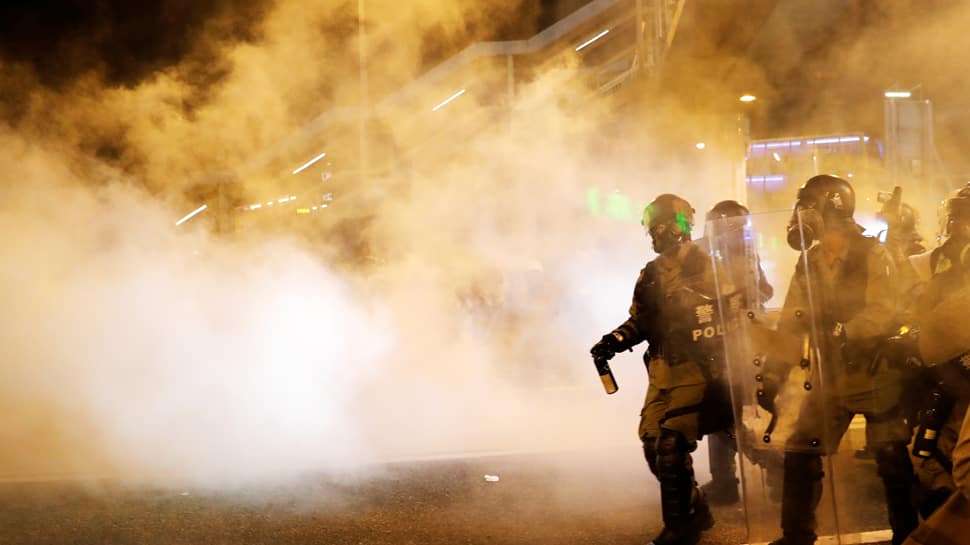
(897, 94)
(309, 163)
(591, 40)
(448, 100)
(192, 214)
(747, 98)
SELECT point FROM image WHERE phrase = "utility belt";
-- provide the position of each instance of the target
(710, 363)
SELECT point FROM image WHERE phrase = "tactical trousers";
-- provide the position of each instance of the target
(821, 424)
(675, 409)
(824, 419)
(721, 450)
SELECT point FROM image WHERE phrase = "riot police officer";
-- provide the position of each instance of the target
(903, 241)
(730, 217)
(673, 311)
(848, 280)
(944, 345)
(950, 262)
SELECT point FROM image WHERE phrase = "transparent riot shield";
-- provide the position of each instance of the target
(795, 423)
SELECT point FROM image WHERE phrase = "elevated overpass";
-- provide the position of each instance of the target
(610, 42)
(605, 46)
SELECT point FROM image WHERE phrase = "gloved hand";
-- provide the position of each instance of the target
(608, 346)
(767, 392)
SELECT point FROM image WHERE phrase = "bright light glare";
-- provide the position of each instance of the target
(447, 100)
(310, 162)
(700, 145)
(593, 39)
(766, 179)
(255, 206)
(776, 156)
(284, 199)
(748, 98)
(873, 226)
(897, 94)
(833, 140)
(191, 214)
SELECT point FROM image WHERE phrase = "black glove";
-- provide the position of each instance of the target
(767, 392)
(608, 346)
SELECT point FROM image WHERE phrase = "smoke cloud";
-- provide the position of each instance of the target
(446, 309)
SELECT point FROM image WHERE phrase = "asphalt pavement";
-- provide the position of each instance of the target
(596, 497)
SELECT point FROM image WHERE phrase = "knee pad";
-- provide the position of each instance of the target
(672, 452)
(650, 453)
(892, 462)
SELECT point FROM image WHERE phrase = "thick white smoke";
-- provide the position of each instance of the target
(135, 348)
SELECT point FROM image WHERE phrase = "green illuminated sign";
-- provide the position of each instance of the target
(613, 205)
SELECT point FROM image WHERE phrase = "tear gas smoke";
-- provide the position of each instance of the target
(140, 350)
(135, 349)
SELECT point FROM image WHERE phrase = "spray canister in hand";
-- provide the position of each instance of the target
(606, 375)
(931, 420)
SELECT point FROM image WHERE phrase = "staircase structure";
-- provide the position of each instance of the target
(607, 43)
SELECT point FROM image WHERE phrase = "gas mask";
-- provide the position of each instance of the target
(665, 236)
(824, 201)
(805, 227)
(955, 217)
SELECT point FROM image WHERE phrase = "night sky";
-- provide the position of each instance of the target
(124, 40)
(53, 42)
(127, 41)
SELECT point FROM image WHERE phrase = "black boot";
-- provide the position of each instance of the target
(801, 493)
(898, 478)
(683, 522)
(700, 514)
(723, 488)
(677, 492)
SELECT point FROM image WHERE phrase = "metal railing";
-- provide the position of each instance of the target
(615, 41)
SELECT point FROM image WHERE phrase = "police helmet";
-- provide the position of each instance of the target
(824, 202)
(668, 220)
(955, 214)
(727, 209)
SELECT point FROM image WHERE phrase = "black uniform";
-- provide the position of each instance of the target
(674, 310)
